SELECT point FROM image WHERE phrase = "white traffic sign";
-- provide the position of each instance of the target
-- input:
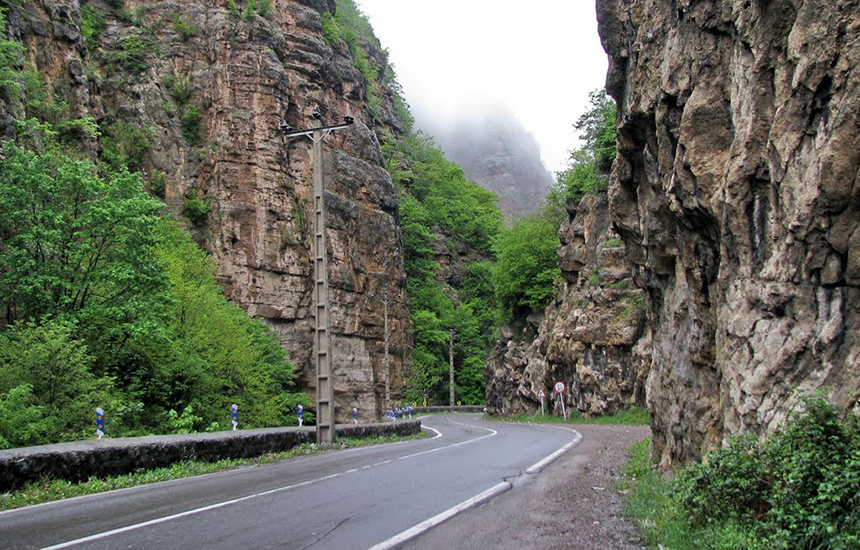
(559, 387)
(541, 394)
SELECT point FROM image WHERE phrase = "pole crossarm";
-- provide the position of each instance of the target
(309, 133)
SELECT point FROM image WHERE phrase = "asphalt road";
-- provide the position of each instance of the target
(349, 499)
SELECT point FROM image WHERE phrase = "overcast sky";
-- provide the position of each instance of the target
(456, 58)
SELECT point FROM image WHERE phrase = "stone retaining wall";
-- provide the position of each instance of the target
(80, 460)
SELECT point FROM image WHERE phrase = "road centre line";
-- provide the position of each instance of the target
(156, 521)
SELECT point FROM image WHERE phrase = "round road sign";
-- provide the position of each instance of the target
(559, 387)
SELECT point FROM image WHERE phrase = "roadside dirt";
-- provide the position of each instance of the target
(572, 504)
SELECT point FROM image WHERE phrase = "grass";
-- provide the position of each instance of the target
(632, 417)
(654, 507)
(48, 490)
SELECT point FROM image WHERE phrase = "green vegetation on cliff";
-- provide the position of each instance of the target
(437, 202)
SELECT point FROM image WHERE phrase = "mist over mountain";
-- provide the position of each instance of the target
(497, 152)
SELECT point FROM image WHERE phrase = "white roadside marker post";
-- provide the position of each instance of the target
(100, 422)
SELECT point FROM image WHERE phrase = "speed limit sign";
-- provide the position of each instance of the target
(559, 388)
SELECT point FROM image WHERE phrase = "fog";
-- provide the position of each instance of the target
(459, 60)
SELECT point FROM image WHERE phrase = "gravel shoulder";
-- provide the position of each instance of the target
(572, 504)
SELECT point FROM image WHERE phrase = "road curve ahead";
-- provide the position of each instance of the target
(358, 498)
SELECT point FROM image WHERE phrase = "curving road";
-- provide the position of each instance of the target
(360, 498)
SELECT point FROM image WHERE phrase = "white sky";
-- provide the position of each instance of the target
(456, 58)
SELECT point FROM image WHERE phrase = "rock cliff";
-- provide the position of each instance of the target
(736, 192)
(158, 65)
(594, 338)
(496, 152)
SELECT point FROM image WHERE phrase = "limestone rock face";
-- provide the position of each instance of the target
(594, 338)
(247, 75)
(737, 194)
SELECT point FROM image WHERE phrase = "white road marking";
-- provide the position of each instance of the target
(426, 525)
(164, 519)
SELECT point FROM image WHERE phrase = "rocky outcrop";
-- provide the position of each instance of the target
(737, 193)
(594, 338)
(246, 73)
(498, 154)
(80, 460)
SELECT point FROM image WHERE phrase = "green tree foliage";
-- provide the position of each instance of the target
(48, 373)
(108, 303)
(450, 201)
(75, 244)
(218, 355)
(589, 165)
(527, 265)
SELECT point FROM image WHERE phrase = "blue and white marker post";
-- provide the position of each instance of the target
(354, 415)
(100, 423)
(300, 411)
(235, 416)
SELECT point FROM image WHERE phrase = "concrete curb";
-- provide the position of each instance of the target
(538, 467)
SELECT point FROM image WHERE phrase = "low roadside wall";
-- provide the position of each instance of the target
(461, 408)
(80, 460)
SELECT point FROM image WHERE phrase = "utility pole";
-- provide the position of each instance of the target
(387, 300)
(451, 367)
(322, 335)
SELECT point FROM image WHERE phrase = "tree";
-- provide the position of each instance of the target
(527, 265)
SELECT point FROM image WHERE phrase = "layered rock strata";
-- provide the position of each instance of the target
(737, 194)
(247, 73)
(594, 338)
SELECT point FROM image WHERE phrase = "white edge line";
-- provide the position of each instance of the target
(426, 525)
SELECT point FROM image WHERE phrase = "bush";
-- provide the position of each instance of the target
(264, 8)
(192, 127)
(125, 146)
(196, 210)
(184, 28)
(92, 24)
(179, 88)
(331, 32)
(132, 52)
(800, 489)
